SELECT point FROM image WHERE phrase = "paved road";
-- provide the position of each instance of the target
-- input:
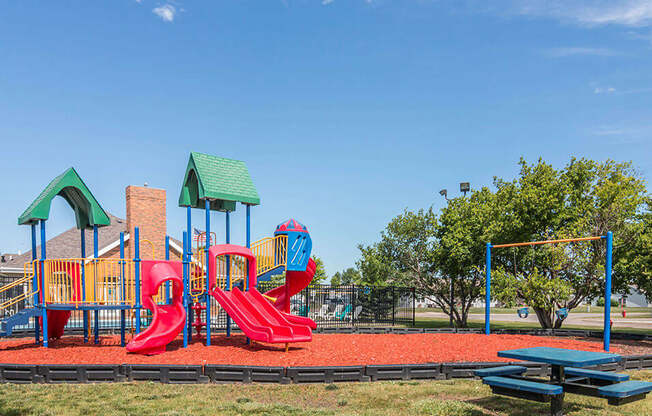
(591, 320)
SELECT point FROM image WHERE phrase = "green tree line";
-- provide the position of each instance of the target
(439, 251)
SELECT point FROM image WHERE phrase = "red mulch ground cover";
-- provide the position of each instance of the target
(336, 349)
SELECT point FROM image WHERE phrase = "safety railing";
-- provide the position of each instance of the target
(270, 252)
(197, 280)
(23, 285)
(107, 282)
(237, 271)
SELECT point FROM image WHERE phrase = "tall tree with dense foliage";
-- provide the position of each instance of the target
(585, 198)
(320, 271)
(462, 229)
(346, 277)
(417, 250)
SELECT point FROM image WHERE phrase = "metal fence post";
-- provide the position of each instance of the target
(393, 306)
(414, 306)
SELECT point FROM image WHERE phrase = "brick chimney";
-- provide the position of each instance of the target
(146, 210)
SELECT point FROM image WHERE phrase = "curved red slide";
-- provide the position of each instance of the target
(296, 281)
(168, 320)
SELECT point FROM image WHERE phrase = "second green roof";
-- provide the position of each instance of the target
(220, 180)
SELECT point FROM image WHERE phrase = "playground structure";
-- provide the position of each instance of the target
(562, 313)
(173, 291)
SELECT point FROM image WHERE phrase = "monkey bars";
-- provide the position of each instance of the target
(607, 283)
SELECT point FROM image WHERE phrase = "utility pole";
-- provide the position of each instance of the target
(464, 188)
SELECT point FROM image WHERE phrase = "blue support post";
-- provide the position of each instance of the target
(167, 257)
(124, 289)
(487, 296)
(607, 292)
(188, 252)
(228, 270)
(37, 328)
(208, 245)
(186, 290)
(248, 237)
(96, 313)
(83, 282)
(138, 304)
(44, 315)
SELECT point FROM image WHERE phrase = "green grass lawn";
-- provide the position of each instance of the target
(450, 398)
(427, 322)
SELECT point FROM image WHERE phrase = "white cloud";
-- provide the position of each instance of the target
(574, 51)
(634, 13)
(165, 12)
(326, 2)
(604, 90)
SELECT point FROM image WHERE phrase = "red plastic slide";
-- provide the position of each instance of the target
(296, 281)
(254, 314)
(168, 320)
(258, 318)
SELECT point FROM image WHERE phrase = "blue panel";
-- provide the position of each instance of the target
(560, 356)
(523, 385)
(299, 248)
(500, 371)
(626, 389)
(597, 375)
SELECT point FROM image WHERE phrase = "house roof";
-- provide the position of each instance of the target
(68, 243)
(70, 186)
(220, 180)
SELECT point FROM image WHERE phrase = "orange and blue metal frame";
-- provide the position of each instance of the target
(607, 283)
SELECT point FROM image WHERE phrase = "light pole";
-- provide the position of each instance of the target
(464, 188)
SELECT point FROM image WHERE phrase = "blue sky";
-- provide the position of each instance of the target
(346, 112)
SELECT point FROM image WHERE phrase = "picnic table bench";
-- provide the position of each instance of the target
(567, 376)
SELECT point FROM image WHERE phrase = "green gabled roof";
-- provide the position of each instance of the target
(222, 181)
(71, 187)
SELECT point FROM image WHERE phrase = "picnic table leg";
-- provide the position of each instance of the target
(558, 377)
(556, 405)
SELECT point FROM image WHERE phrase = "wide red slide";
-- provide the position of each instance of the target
(258, 318)
(168, 320)
(254, 314)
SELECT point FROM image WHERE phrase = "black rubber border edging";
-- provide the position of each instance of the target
(216, 373)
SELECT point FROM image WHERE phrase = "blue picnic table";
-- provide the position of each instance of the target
(568, 375)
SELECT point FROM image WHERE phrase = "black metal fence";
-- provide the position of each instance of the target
(328, 306)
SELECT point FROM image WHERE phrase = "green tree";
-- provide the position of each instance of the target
(462, 229)
(374, 268)
(320, 271)
(585, 198)
(348, 276)
(635, 262)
